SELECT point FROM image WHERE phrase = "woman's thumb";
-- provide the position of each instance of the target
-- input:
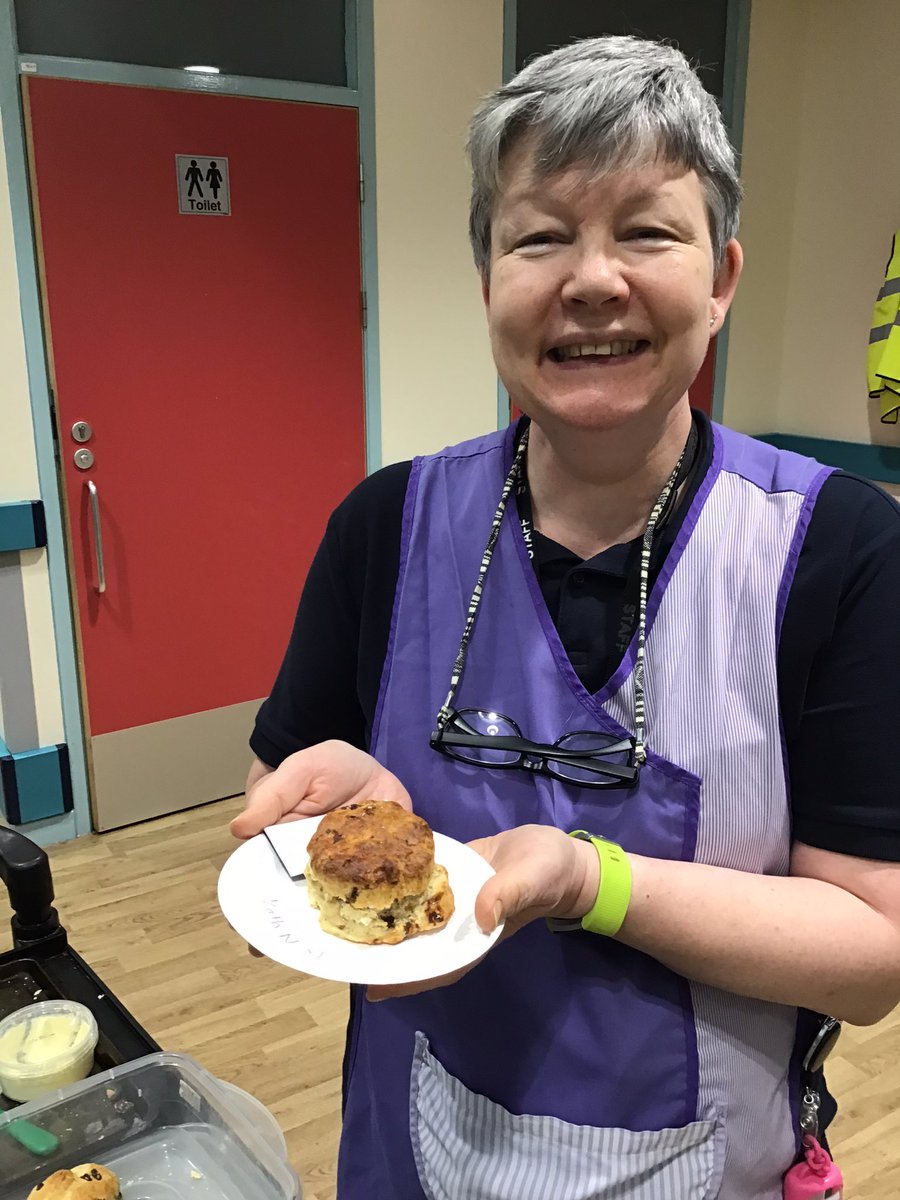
(498, 900)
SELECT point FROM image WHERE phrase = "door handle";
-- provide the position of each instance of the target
(100, 585)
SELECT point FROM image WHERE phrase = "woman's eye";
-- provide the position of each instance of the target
(536, 239)
(650, 233)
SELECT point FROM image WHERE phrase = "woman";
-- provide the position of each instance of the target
(688, 614)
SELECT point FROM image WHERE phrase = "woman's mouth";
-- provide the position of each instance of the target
(596, 352)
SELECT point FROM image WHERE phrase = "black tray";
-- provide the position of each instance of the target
(27, 977)
(43, 966)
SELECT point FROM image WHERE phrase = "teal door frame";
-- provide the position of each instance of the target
(737, 50)
(359, 94)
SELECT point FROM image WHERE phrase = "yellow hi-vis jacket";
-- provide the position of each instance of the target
(884, 341)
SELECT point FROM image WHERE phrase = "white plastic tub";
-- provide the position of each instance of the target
(44, 1047)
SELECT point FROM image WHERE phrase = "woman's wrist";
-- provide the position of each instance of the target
(586, 877)
(602, 893)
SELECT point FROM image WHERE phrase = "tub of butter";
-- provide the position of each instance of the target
(44, 1047)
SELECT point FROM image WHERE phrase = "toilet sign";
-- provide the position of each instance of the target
(203, 186)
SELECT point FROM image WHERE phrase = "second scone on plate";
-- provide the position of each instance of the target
(372, 875)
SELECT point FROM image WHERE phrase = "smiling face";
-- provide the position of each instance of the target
(601, 291)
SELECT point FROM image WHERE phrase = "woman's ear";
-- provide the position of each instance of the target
(726, 279)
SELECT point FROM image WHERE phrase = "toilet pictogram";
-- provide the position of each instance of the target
(204, 186)
(193, 177)
(214, 179)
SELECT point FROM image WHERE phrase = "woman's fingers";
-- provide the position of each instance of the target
(274, 798)
(511, 890)
(287, 793)
(507, 896)
(316, 780)
(534, 876)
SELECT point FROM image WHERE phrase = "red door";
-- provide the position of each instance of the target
(218, 361)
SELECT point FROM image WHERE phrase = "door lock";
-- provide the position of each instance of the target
(82, 432)
(84, 459)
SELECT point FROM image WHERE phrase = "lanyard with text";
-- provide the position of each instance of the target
(526, 519)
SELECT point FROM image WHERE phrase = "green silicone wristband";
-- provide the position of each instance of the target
(614, 894)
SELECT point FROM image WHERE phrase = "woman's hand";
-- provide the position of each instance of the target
(313, 781)
(540, 872)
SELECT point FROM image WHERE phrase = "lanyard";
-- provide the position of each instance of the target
(629, 615)
(512, 481)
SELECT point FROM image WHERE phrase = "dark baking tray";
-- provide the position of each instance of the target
(43, 966)
(33, 975)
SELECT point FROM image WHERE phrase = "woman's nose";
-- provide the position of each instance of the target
(596, 277)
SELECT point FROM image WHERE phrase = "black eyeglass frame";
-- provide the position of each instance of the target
(536, 756)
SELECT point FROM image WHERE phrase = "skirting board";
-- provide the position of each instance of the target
(35, 784)
(169, 765)
(22, 526)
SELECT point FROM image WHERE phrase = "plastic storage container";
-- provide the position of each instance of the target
(169, 1130)
(44, 1047)
(258, 1116)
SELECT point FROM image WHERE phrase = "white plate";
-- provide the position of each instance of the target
(272, 912)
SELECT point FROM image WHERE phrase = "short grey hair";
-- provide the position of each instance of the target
(604, 103)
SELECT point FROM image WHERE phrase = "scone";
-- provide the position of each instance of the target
(57, 1186)
(372, 875)
(90, 1181)
(103, 1183)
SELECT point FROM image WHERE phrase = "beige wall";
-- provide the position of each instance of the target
(771, 131)
(433, 61)
(822, 178)
(19, 478)
(18, 465)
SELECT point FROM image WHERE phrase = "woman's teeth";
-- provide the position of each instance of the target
(602, 349)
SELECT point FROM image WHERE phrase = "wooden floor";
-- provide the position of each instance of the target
(140, 906)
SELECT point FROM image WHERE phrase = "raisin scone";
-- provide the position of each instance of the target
(372, 875)
(89, 1181)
